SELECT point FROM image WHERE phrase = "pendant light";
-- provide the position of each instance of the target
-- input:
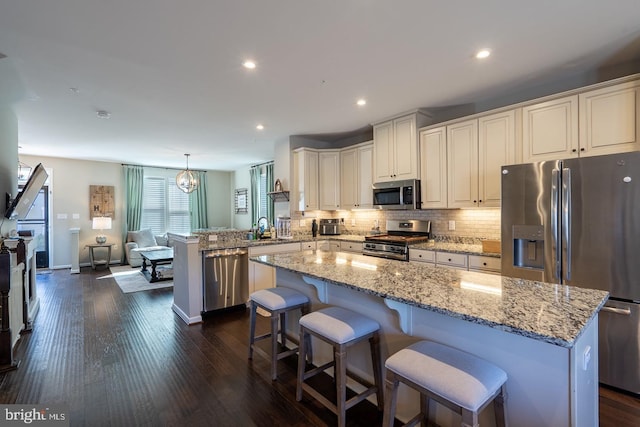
(186, 180)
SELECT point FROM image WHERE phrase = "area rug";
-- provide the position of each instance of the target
(130, 279)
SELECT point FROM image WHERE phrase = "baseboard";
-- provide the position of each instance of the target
(188, 320)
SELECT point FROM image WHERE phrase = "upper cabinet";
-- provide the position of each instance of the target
(305, 172)
(356, 175)
(592, 123)
(395, 148)
(461, 162)
(610, 119)
(550, 130)
(329, 179)
(433, 167)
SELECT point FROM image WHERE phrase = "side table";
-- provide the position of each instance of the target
(95, 262)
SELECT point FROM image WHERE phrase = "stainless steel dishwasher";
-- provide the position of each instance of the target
(225, 278)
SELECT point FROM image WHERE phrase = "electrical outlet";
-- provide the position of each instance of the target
(115, 247)
(76, 216)
(452, 225)
(353, 221)
(303, 223)
(213, 237)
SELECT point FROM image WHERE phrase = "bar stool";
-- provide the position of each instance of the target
(278, 302)
(462, 382)
(341, 329)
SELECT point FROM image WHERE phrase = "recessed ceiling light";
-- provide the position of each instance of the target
(74, 90)
(103, 114)
(260, 127)
(361, 102)
(483, 53)
(249, 64)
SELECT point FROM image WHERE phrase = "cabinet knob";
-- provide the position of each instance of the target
(480, 201)
(475, 201)
(582, 149)
(419, 256)
(484, 263)
(574, 150)
(449, 259)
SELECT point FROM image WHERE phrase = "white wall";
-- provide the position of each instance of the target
(8, 164)
(241, 179)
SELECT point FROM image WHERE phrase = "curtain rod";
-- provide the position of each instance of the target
(162, 167)
(262, 164)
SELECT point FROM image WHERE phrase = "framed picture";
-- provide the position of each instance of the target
(241, 201)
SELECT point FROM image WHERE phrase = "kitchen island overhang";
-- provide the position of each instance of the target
(543, 335)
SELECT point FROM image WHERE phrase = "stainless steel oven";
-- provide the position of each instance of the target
(397, 194)
(395, 244)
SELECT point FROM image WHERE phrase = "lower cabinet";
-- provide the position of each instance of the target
(263, 276)
(481, 263)
(351, 247)
(485, 264)
(329, 245)
(452, 260)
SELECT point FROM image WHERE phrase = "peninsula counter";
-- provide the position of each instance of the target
(543, 335)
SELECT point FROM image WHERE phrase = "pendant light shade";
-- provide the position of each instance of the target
(186, 180)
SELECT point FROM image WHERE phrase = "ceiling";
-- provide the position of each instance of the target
(170, 73)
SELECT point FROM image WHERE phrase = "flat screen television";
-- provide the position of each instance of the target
(21, 205)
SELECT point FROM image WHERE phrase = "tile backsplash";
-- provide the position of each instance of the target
(476, 223)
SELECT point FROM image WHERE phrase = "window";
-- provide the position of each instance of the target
(164, 206)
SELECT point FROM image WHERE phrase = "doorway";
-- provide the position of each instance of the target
(38, 220)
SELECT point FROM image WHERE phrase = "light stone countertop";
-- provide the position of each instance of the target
(552, 313)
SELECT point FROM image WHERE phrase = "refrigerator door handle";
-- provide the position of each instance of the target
(566, 222)
(555, 252)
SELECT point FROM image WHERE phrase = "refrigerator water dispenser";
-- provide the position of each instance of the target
(528, 246)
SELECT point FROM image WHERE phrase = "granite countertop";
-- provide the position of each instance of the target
(552, 313)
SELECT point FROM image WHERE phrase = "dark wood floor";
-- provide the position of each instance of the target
(128, 360)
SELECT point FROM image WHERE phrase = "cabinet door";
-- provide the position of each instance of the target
(550, 130)
(433, 173)
(261, 276)
(610, 120)
(496, 147)
(349, 178)
(406, 148)
(462, 164)
(306, 179)
(452, 260)
(383, 151)
(351, 247)
(329, 182)
(365, 177)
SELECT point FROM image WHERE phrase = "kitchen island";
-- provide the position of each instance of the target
(543, 335)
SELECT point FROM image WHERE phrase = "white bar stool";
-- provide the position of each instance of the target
(461, 381)
(341, 329)
(278, 302)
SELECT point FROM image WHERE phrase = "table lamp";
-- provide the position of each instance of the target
(101, 223)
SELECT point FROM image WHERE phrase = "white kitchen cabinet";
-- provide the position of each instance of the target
(395, 148)
(306, 246)
(610, 119)
(452, 260)
(485, 264)
(356, 175)
(329, 245)
(329, 179)
(550, 130)
(305, 172)
(462, 164)
(433, 168)
(422, 255)
(496, 147)
(351, 246)
(263, 276)
(476, 150)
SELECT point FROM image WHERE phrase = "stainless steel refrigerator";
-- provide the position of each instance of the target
(577, 222)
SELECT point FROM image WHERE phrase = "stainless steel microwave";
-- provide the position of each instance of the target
(397, 194)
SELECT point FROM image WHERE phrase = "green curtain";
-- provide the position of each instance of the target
(134, 184)
(198, 203)
(270, 208)
(254, 173)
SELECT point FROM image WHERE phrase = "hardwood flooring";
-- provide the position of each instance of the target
(128, 360)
